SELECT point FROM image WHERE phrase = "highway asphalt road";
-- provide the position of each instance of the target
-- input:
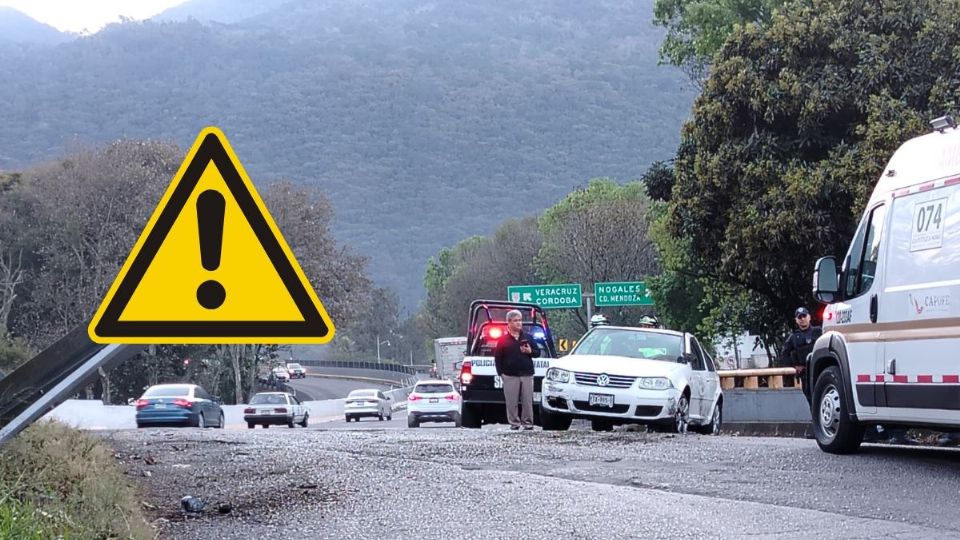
(322, 388)
(383, 480)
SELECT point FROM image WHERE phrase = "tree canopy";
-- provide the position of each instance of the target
(697, 29)
(67, 226)
(596, 233)
(788, 138)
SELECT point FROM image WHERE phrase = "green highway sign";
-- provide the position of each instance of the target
(622, 293)
(567, 295)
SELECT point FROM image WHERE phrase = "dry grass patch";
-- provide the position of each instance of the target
(59, 482)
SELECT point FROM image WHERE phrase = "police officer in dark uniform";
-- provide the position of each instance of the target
(799, 345)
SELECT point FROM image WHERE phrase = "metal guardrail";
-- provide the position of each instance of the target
(393, 383)
(753, 379)
(351, 364)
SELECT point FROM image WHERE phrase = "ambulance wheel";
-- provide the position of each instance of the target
(836, 433)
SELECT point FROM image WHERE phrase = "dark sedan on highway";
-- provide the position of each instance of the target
(178, 405)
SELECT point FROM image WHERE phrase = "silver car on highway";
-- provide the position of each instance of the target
(367, 403)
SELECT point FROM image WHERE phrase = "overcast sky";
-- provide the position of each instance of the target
(89, 15)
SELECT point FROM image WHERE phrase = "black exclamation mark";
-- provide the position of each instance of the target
(210, 208)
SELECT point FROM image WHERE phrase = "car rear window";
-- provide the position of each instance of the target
(363, 393)
(168, 391)
(268, 399)
(433, 388)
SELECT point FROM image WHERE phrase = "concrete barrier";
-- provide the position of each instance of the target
(94, 415)
(744, 405)
(766, 412)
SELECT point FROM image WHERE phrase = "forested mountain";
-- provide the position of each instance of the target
(425, 122)
(16, 27)
(221, 11)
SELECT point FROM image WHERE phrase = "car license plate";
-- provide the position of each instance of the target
(264, 411)
(497, 381)
(434, 400)
(601, 400)
(160, 406)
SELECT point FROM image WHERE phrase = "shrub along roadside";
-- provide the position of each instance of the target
(59, 482)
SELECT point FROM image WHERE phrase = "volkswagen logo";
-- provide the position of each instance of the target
(603, 380)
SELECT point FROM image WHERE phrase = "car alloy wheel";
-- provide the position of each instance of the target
(717, 420)
(682, 418)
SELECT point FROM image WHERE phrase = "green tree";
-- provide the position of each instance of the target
(13, 352)
(439, 318)
(597, 234)
(791, 133)
(697, 29)
(479, 267)
(677, 292)
(78, 217)
(377, 320)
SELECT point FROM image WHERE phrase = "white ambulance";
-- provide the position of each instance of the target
(890, 351)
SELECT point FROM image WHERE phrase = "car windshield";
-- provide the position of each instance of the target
(433, 388)
(269, 399)
(180, 390)
(363, 394)
(632, 344)
(294, 366)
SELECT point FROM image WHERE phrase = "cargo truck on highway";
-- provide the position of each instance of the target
(449, 352)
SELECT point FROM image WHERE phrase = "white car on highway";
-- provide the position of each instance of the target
(624, 375)
(433, 401)
(296, 371)
(275, 408)
(367, 402)
(281, 374)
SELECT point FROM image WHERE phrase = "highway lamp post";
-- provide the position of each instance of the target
(384, 342)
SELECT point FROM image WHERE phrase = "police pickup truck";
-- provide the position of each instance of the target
(480, 386)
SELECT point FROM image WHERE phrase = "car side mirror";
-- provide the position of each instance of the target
(826, 280)
(683, 358)
(131, 401)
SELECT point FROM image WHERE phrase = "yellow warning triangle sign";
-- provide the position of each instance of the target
(211, 266)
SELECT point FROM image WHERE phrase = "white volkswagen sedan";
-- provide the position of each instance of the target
(622, 375)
